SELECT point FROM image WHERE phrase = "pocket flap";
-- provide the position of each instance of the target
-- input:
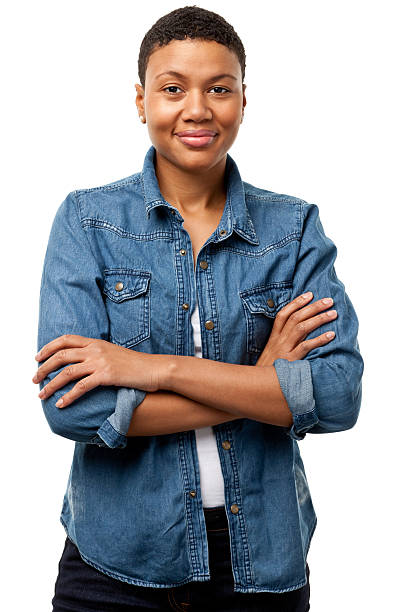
(268, 299)
(122, 284)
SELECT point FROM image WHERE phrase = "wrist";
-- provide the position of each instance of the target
(166, 369)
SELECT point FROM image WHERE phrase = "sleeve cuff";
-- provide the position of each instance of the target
(295, 379)
(112, 432)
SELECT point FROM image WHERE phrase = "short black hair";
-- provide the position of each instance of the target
(189, 22)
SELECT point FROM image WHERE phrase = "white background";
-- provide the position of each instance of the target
(325, 121)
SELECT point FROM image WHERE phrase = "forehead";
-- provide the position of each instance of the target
(193, 58)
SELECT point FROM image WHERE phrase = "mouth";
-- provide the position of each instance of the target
(197, 138)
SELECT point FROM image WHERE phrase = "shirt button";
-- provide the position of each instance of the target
(203, 265)
(173, 212)
(185, 306)
(209, 325)
(270, 302)
(192, 493)
(223, 232)
(226, 445)
(183, 251)
(234, 509)
(119, 286)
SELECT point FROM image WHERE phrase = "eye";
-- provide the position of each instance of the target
(219, 87)
(172, 87)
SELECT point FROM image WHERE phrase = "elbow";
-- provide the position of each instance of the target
(342, 417)
(338, 407)
(60, 421)
(324, 396)
(101, 417)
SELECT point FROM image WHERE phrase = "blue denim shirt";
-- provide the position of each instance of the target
(132, 504)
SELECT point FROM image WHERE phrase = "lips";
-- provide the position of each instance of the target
(196, 133)
(196, 138)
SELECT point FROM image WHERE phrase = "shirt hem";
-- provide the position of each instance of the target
(194, 578)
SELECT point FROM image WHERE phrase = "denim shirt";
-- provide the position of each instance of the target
(132, 504)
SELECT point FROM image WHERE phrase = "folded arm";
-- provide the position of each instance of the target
(319, 394)
(71, 302)
(165, 412)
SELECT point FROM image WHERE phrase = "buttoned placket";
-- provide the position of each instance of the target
(240, 559)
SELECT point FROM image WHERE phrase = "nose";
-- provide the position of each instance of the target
(196, 106)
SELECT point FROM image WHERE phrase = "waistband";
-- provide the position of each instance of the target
(216, 518)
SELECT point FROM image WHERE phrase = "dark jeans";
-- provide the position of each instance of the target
(82, 588)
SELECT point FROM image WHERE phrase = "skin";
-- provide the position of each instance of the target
(185, 392)
(190, 178)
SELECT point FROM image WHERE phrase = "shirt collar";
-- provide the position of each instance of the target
(235, 217)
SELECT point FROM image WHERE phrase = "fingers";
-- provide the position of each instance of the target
(302, 326)
(307, 345)
(303, 318)
(83, 386)
(293, 306)
(298, 318)
(64, 341)
(71, 372)
(56, 361)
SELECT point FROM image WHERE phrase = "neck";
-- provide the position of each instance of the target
(191, 192)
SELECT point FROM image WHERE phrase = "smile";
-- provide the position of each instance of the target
(196, 141)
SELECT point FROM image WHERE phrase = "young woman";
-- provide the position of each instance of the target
(187, 490)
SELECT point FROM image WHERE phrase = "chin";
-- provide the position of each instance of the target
(196, 158)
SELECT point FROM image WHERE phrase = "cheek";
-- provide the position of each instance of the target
(160, 114)
(230, 115)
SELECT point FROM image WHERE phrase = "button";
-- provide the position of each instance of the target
(203, 265)
(119, 286)
(209, 325)
(185, 306)
(234, 509)
(270, 302)
(223, 232)
(192, 493)
(173, 212)
(226, 445)
(183, 252)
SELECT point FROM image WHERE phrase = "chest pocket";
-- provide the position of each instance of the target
(261, 305)
(128, 305)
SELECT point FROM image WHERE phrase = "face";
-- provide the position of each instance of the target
(206, 94)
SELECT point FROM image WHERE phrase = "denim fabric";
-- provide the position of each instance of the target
(133, 505)
(81, 588)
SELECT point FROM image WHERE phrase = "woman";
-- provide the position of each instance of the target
(187, 489)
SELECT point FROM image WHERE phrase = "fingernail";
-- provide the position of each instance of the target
(59, 403)
(327, 300)
(330, 335)
(307, 295)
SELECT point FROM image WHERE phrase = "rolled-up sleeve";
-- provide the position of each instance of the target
(323, 390)
(71, 301)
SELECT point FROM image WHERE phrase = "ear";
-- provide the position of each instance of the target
(140, 99)
(244, 101)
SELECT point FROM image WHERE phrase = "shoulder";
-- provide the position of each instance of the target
(118, 185)
(99, 202)
(266, 195)
(282, 209)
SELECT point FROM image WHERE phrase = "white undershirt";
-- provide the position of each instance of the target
(211, 478)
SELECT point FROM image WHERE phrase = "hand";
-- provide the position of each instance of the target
(292, 324)
(96, 362)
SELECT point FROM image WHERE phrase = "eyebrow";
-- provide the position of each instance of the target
(178, 75)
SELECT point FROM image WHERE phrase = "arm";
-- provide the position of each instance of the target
(71, 302)
(164, 412)
(240, 390)
(324, 390)
(318, 394)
